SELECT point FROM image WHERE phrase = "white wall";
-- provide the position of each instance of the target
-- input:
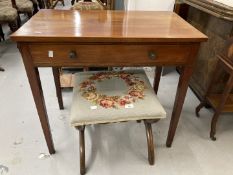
(150, 5)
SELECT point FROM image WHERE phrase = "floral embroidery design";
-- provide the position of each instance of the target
(135, 90)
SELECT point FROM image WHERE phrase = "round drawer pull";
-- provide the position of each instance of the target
(152, 55)
(73, 54)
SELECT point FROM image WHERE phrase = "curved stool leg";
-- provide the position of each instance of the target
(150, 143)
(82, 149)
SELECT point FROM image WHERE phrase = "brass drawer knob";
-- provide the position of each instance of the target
(152, 55)
(73, 54)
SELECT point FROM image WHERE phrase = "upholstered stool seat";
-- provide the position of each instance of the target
(81, 5)
(109, 97)
(4, 3)
(8, 14)
(22, 5)
(25, 6)
(102, 97)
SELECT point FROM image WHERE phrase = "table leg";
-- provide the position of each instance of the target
(179, 101)
(158, 71)
(37, 92)
(56, 76)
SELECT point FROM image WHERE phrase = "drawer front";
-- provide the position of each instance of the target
(102, 55)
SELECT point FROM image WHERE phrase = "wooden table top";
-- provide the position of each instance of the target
(106, 26)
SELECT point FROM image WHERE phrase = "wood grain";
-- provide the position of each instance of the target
(180, 95)
(107, 38)
(106, 55)
(37, 92)
(115, 26)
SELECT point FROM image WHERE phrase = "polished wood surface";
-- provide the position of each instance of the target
(107, 38)
(102, 26)
(37, 92)
(103, 55)
(215, 100)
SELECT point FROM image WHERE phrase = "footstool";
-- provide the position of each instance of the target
(111, 97)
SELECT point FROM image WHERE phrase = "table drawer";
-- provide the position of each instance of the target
(100, 55)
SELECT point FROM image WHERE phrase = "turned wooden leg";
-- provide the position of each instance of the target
(198, 108)
(158, 71)
(56, 76)
(18, 21)
(41, 4)
(30, 14)
(150, 143)
(82, 149)
(35, 7)
(213, 126)
(215, 77)
(221, 104)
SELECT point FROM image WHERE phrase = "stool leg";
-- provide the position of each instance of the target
(221, 104)
(82, 149)
(56, 76)
(150, 143)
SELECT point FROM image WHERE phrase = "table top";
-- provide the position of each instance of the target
(106, 26)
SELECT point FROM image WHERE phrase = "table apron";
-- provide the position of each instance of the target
(67, 55)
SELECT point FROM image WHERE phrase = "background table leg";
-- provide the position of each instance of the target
(158, 71)
(56, 76)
